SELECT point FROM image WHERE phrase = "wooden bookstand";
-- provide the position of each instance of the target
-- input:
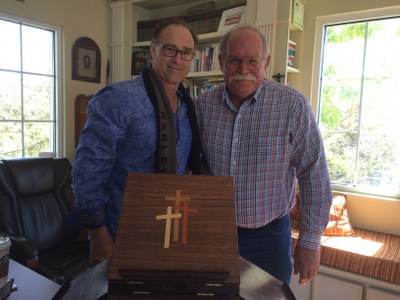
(176, 238)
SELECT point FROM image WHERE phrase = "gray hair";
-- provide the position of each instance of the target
(223, 44)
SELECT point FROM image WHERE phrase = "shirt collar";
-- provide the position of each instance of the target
(180, 97)
(256, 96)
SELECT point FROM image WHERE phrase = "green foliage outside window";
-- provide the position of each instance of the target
(360, 107)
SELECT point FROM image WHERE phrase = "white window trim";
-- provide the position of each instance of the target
(59, 77)
(321, 22)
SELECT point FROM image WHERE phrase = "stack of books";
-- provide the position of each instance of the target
(208, 84)
(291, 53)
(195, 90)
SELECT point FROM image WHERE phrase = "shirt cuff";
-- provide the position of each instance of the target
(309, 240)
(89, 217)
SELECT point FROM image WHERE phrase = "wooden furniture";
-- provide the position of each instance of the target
(30, 285)
(92, 284)
(176, 236)
(255, 284)
(81, 103)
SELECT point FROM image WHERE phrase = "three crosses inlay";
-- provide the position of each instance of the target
(181, 211)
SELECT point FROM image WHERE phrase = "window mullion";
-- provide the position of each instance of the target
(22, 91)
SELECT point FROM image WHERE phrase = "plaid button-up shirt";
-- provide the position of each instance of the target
(272, 139)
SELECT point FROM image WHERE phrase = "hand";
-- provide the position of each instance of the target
(101, 245)
(306, 263)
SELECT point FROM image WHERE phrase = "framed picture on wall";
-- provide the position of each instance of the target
(232, 17)
(298, 14)
(86, 60)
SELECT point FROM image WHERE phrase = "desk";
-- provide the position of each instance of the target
(31, 285)
(255, 284)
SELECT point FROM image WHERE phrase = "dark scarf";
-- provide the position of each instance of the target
(166, 140)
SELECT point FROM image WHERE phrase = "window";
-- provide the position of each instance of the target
(359, 107)
(29, 85)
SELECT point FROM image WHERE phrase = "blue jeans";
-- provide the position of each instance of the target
(269, 247)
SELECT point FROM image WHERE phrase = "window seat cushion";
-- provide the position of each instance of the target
(366, 252)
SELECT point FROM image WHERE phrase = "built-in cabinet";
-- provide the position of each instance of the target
(272, 17)
(285, 32)
(334, 284)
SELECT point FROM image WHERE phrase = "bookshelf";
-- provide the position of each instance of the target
(286, 27)
(272, 17)
(205, 25)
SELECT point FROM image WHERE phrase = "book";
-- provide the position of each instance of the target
(139, 60)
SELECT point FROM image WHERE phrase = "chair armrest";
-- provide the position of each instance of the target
(23, 250)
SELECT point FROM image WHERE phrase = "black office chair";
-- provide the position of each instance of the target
(35, 197)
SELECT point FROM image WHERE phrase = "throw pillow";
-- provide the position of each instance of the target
(339, 223)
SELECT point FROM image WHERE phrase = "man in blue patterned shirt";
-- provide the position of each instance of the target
(147, 124)
(264, 134)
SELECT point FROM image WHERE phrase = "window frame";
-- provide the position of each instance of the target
(321, 22)
(59, 139)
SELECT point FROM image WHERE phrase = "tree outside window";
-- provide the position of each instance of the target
(360, 105)
(27, 90)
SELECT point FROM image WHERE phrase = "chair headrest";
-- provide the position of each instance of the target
(32, 176)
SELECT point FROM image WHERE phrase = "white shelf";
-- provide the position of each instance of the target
(204, 74)
(141, 44)
(212, 37)
(292, 70)
(294, 27)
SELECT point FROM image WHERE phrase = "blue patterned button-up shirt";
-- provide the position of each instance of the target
(120, 136)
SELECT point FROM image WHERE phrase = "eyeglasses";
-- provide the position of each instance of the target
(253, 62)
(171, 51)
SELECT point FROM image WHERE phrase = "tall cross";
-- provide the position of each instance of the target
(185, 210)
(168, 217)
(178, 199)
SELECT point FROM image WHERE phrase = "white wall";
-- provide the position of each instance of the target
(77, 18)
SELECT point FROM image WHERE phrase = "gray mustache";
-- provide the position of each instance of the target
(249, 77)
